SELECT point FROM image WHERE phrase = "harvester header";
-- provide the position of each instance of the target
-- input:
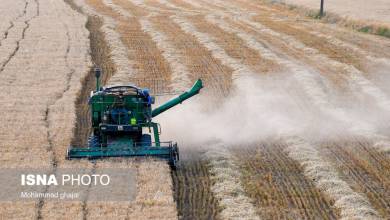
(122, 123)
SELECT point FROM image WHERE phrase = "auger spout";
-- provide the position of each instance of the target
(178, 100)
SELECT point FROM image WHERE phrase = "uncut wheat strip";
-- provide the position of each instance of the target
(227, 185)
(352, 205)
(229, 200)
(180, 73)
(119, 52)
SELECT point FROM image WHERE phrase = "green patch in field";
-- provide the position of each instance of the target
(383, 31)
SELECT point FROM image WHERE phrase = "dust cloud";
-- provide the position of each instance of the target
(264, 108)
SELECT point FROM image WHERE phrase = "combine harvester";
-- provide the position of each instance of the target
(122, 124)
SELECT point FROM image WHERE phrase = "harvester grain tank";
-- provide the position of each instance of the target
(122, 123)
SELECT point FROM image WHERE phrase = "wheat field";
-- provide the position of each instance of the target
(292, 122)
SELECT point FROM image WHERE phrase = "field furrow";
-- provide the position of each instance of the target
(16, 11)
(11, 41)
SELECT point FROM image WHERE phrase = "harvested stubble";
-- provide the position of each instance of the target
(234, 46)
(327, 178)
(365, 169)
(199, 61)
(193, 45)
(147, 60)
(227, 185)
(11, 10)
(180, 73)
(192, 188)
(100, 56)
(354, 75)
(278, 187)
(339, 71)
(154, 198)
(40, 80)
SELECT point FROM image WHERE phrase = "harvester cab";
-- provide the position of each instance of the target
(122, 123)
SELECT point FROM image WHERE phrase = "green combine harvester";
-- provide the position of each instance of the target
(122, 124)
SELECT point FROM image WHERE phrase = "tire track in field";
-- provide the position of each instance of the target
(9, 28)
(25, 29)
(53, 156)
(100, 55)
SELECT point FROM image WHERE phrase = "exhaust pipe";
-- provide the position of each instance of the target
(98, 73)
